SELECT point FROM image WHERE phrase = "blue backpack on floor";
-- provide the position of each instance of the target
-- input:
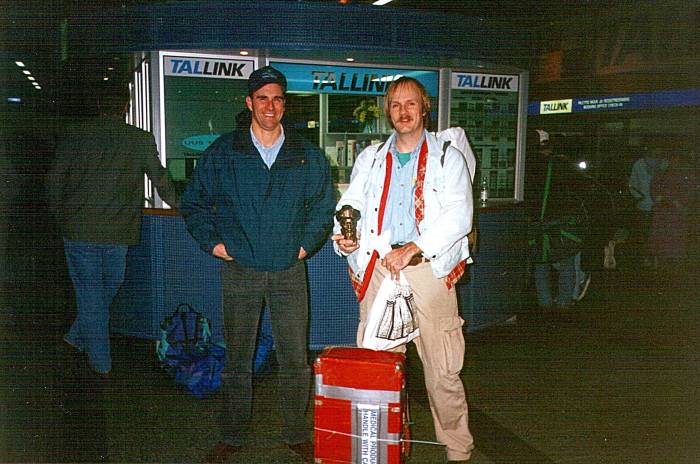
(187, 354)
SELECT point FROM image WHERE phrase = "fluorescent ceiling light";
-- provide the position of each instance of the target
(27, 72)
(381, 2)
(105, 78)
(31, 78)
(14, 100)
(349, 59)
(38, 87)
(244, 52)
(20, 64)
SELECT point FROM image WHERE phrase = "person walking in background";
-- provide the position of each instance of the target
(554, 193)
(422, 198)
(95, 192)
(261, 200)
(672, 192)
(644, 170)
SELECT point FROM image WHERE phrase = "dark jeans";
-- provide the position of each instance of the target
(97, 272)
(286, 295)
(566, 278)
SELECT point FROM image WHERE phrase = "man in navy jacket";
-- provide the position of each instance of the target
(261, 200)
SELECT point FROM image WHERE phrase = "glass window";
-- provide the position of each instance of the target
(302, 112)
(490, 119)
(353, 123)
(349, 106)
(197, 111)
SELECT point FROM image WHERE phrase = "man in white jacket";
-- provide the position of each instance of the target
(416, 195)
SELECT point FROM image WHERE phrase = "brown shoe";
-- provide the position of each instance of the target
(305, 449)
(221, 452)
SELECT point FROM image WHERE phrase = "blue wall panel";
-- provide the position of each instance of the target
(334, 307)
(494, 289)
(166, 269)
(169, 268)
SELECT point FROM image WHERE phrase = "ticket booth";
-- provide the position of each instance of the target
(190, 94)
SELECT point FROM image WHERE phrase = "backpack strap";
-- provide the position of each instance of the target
(381, 145)
(445, 145)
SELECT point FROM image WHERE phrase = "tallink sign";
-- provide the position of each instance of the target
(350, 79)
(485, 82)
(556, 106)
(218, 68)
(635, 101)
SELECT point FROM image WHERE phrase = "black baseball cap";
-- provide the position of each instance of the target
(266, 75)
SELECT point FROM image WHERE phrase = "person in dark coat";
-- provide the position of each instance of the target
(95, 190)
(672, 193)
(553, 194)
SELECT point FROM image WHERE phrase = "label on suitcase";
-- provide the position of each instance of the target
(360, 407)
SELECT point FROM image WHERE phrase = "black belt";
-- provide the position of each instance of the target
(415, 260)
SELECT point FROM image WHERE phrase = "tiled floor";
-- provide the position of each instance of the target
(613, 381)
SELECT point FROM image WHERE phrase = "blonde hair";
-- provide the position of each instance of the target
(410, 82)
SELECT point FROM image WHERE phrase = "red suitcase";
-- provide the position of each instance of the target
(360, 413)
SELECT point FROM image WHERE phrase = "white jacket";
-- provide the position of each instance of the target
(447, 192)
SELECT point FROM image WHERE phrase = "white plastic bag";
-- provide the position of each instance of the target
(391, 320)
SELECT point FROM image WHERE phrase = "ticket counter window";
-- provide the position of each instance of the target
(202, 94)
(302, 112)
(353, 123)
(197, 111)
(349, 114)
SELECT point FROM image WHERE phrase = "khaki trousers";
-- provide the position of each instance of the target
(441, 350)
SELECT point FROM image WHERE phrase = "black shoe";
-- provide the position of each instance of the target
(304, 449)
(221, 452)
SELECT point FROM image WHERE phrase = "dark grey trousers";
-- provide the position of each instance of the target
(286, 294)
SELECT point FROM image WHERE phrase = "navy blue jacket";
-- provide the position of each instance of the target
(261, 215)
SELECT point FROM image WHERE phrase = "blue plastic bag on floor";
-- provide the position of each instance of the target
(187, 354)
(200, 374)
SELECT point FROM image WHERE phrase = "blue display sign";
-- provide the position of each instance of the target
(199, 142)
(637, 101)
(316, 78)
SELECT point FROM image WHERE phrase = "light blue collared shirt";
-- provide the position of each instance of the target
(399, 215)
(269, 154)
